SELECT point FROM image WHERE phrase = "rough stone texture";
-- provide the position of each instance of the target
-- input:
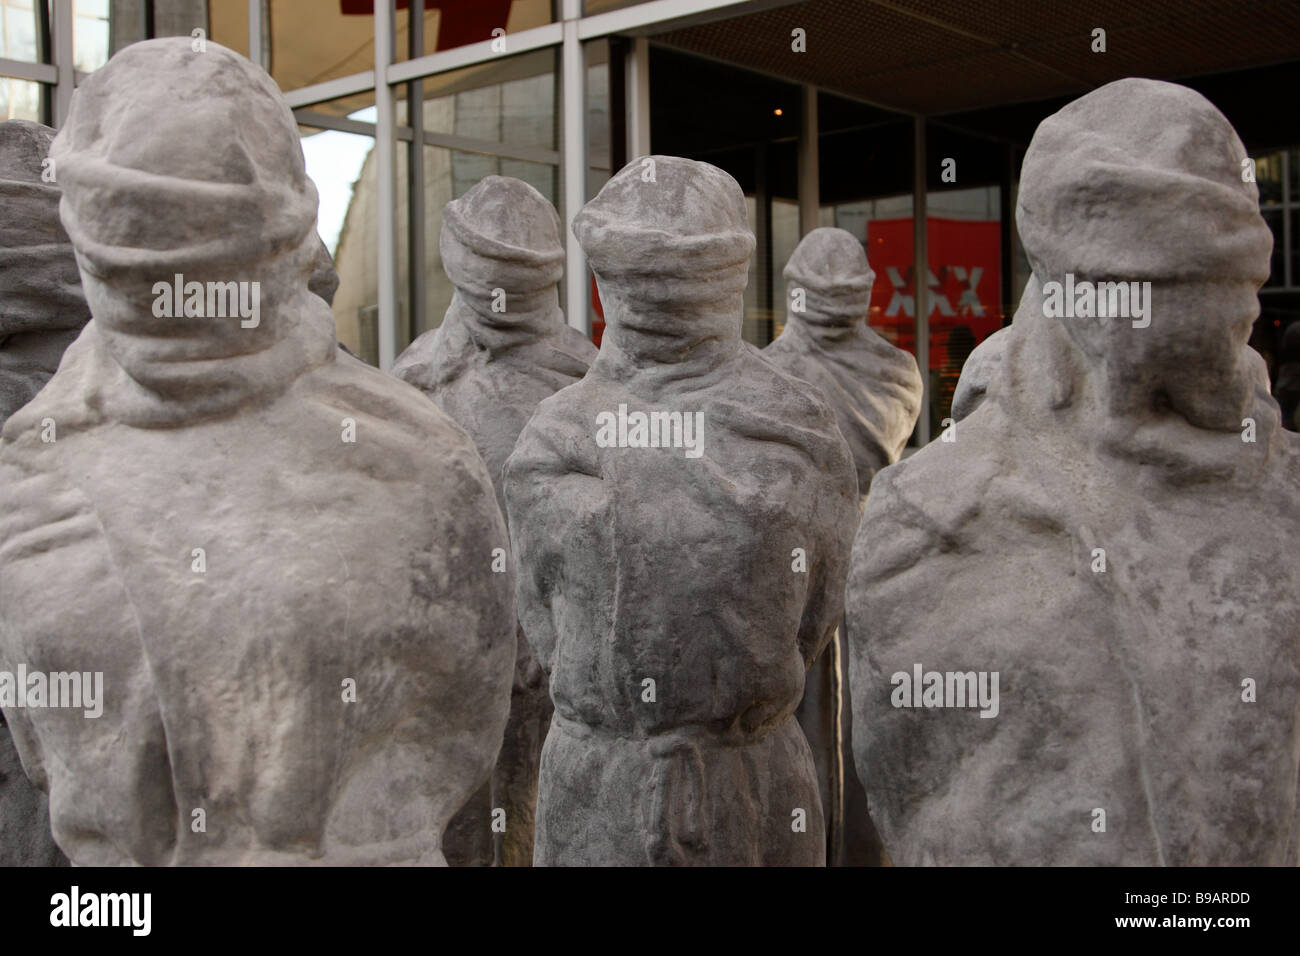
(875, 391)
(978, 374)
(488, 367)
(324, 560)
(324, 279)
(42, 310)
(640, 564)
(1120, 691)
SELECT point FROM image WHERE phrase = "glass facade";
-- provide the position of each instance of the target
(488, 78)
(23, 25)
(90, 42)
(20, 99)
(20, 31)
(1279, 198)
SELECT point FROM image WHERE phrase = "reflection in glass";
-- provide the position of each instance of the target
(314, 41)
(1268, 176)
(20, 99)
(90, 34)
(508, 101)
(511, 101)
(452, 23)
(339, 163)
(103, 27)
(18, 31)
(1277, 276)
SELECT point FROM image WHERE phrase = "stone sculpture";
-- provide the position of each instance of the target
(1095, 575)
(682, 519)
(874, 388)
(270, 558)
(875, 391)
(324, 280)
(978, 374)
(42, 310)
(503, 346)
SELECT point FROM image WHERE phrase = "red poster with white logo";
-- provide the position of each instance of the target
(965, 283)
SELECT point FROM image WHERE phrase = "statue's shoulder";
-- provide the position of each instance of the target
(60, 409)
(429, 361)
(395, 427)
(786, 383)
(934, 501)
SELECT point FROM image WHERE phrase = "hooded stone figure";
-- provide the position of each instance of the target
(1075, 629)
(682, 519)
(875, 392)
(42, 310)
(873, 387)
(503, 346)
(269, 559)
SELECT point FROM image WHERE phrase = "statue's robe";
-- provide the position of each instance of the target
(1121, 690)
(489, 377)
(641, 565)
(324, 562)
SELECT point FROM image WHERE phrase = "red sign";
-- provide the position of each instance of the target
(461, 23)
(964, 283)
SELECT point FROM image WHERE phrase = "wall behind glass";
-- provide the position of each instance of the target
(337, 162)
(511, 102)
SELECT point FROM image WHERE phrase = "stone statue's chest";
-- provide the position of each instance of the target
(670, 553)
(234, 570)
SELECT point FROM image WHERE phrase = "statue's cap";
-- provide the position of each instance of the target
(1140, 179)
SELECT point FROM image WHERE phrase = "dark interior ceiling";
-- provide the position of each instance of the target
(954, 56)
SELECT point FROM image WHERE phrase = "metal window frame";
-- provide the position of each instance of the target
(32, 72)
(385, 153)
(568, 34)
